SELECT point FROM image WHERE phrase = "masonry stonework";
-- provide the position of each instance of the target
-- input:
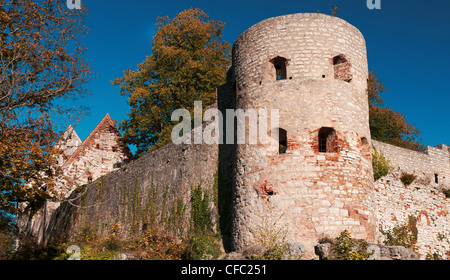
(154, 190)
(423, 200)
(314, 176)
(318, 192)
(432, 163)
(80, 162)
(99, 154)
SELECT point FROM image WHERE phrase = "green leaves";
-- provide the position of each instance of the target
(402, 235)
(188, 62)
(347, 248)
(201, 214)
(381, 165)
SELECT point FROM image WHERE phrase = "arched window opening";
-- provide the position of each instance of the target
(282, 141)
(328, 140)
(280, 64)
(342, 69)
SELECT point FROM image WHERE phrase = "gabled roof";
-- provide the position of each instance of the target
(105, 122)
(69, 141)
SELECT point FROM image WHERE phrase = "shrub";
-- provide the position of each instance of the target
(347, 248)
(325, 239)
(158, 245)
(381, 165)
(203, 247)
(113, 241)
(403, 235)
(272, 238)
(30, 250)
(6, 246)
(446, 192)
(86, 235)
(97, 253)
(433, 257)
(203, 241)
(407, 179)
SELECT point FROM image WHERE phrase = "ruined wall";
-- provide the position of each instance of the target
(423, 200)
(81, 162)
(69, 143)
(316, 192)
(322, 65)
(101, 152)
(154, 190)
(424, 203)
(429, 163)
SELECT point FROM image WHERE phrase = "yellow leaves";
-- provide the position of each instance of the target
(188, 62)
(4, 17)
(27, 160)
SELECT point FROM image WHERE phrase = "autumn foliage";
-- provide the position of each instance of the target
(41, 66)
(188, 62)
(386, 125)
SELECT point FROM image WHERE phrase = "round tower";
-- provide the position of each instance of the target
(315, 179)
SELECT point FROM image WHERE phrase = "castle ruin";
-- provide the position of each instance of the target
(81, 162)
(317, 176)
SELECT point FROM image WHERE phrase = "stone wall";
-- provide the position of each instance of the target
(80, 162)
(431, 163)
(423, 200)
(101, 152)
(147, 190)
(424, 203)
(314, 193)
(154, 190)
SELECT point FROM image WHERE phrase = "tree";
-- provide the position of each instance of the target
(41, 65)
(386, 125)
(189, 60)
(334, 11)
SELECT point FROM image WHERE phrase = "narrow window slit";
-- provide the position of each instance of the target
(282, 141)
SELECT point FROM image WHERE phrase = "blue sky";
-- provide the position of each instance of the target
(408, 45)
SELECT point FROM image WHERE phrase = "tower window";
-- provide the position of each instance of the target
(282, 141)
(436, 178)
(280, 64)
(364, 141)
(342, 69)
(328, 140)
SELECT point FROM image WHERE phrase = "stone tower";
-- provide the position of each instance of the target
(316, 177)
